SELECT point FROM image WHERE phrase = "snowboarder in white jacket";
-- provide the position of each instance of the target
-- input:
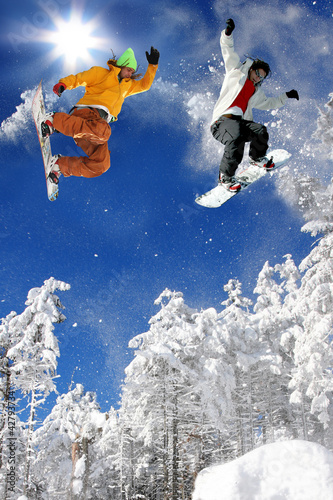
(233, 123)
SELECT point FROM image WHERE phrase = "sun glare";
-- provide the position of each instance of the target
(73, 40)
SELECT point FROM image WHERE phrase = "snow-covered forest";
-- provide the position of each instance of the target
(204, 387)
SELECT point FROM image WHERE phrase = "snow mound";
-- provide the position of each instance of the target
(289, 470)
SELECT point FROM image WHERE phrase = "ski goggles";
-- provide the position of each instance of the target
(259, 75)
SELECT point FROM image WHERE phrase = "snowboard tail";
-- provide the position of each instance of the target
(220, 195)
(38, 112)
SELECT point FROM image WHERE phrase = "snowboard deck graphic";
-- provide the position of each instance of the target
(38, 112)
(219, 195)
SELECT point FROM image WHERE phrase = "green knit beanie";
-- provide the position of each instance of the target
(127, 59)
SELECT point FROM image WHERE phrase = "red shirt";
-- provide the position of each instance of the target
(244, 96)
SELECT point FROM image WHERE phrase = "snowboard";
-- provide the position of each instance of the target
(219, 195)
(38, 112)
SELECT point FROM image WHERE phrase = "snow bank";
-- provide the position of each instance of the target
(289, 470)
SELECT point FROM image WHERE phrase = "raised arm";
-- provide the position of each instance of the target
(230, 57)
(145, 83)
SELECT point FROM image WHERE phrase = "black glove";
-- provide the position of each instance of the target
(59, 88)
(230, 27)
(153, 57)
(292, 94)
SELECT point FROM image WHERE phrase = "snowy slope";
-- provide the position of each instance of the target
(289, 470)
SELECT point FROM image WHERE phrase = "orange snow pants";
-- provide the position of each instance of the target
(91, 133)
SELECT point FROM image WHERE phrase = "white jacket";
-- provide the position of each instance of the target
(235, 77)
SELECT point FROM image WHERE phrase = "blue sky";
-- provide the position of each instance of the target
(119, 240)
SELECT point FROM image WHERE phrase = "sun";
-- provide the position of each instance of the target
(73, 40)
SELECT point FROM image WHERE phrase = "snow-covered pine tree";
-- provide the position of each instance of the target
(105, 471)
(6, 341)
(62, 464)
(313, 197)
(34, 356)
(149, 410)
(289, 323)
(247, 353)
(214, 390)
(312, 379)
(270, 320)
(290, 277)
(11, 432)
(175, 399)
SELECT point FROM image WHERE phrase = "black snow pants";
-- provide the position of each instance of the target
(233, 133)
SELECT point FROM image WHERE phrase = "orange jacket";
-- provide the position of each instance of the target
(104, 89)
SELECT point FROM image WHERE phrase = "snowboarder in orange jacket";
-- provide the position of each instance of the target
(88, 122)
